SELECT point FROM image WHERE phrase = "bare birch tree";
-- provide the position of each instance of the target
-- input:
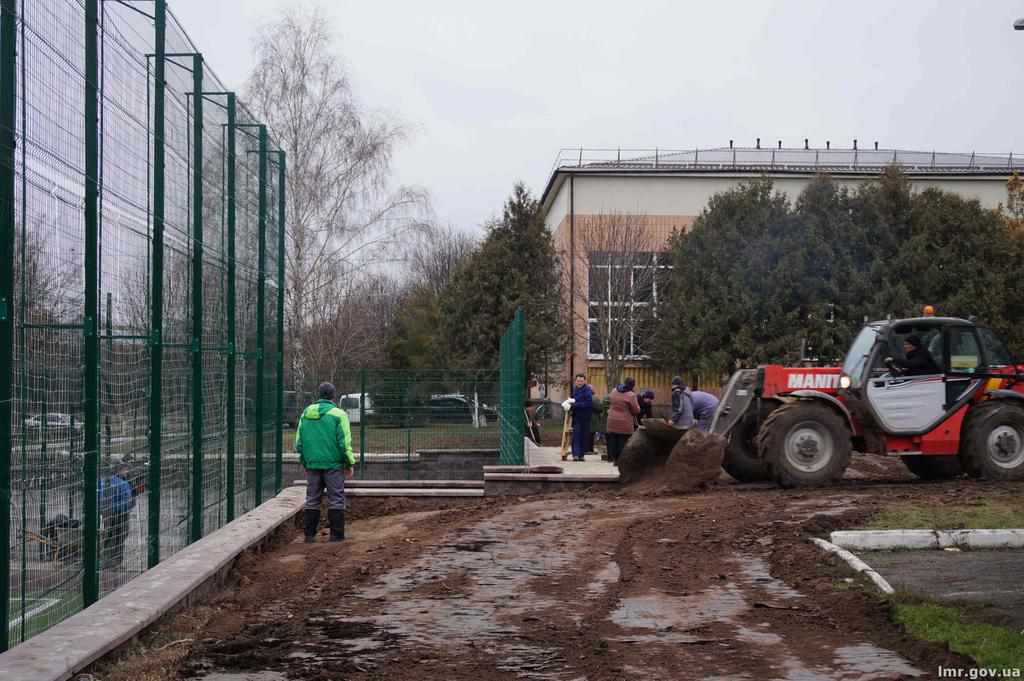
(434, 254)
(342, 213)
(620, 261)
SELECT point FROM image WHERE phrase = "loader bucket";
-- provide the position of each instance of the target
(742, 391)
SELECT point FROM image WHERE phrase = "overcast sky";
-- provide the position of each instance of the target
(492, 91)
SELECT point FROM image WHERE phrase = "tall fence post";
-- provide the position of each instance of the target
(156, 354)
(260, 312)
(8, 100)
(362, 421)
(279, 428)
(196, 524)
(232, 356)
(91, 518)
(512, 389)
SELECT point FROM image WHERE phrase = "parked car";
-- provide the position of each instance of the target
(54, 421)
(456, 408)
(350, 403)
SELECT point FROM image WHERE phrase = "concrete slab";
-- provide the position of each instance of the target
(979, 577)
(882, 540)
(415, 484)
(412, 492)
(58, 653)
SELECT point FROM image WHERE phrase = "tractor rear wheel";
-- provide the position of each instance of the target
(992, 441)
(933, 467)
(805, 443)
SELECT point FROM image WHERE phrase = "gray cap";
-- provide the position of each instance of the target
(327, 391)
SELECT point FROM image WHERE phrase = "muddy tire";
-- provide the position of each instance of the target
(741, 460)
(805, 443)
(933, 467)
(992, 441)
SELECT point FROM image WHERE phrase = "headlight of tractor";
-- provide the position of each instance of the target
(844, 382)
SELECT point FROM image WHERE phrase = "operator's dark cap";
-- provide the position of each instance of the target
(914, 340)
(327, 391)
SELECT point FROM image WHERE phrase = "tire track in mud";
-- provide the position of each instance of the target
(572, 588)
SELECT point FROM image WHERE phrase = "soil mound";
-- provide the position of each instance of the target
(695, 461)
(644, 454)
(667, 459)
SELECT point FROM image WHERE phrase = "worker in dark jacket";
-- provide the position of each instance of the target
(678, 386)
(323, 440)
(917, 360)
(646, 406)
(582, 412)
(696, 408)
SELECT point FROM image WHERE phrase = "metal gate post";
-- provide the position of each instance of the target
(260, 312)
(91, 517)
(231, 359)
(8, 99)
(279, 431)
(156, 356)
(196, 524)
(362, 422)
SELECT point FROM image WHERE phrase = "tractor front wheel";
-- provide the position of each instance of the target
(741, 460)
(933, 467)
(992, 443)
(805, 443)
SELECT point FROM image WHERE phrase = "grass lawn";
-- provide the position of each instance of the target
(43, 612)
(990, 646)
(447, 436)
(989, 514)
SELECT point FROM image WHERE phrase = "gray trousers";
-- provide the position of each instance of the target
(317, 481)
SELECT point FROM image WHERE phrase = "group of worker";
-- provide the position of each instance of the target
(627, 410)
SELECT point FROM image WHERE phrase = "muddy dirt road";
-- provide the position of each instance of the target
(717, 585)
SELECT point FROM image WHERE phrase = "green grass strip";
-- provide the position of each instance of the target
(990, 646)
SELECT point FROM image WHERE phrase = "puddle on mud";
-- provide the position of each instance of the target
(494, 601)
(762, 638)
(660, 611)
(756, 572)
(657, 618)
(871, 662)
(243, 676)
(805, 509)
(608, 575)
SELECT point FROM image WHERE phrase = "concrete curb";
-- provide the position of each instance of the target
(856, 563)
(61, 651)
(882, 540)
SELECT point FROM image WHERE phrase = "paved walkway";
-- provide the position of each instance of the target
(549, 456)
(991, 578)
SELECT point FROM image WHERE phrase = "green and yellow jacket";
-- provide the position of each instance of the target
(323, 438)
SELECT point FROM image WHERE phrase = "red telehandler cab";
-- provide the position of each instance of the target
(800, 426)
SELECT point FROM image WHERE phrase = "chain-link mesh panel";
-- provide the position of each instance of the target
(49, 531)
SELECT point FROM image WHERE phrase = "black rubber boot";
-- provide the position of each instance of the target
(336, 517)
(311, 520)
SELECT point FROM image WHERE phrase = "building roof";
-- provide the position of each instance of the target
(776, 161)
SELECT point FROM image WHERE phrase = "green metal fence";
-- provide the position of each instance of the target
(141, 217)
(513, 391)
(425, 424)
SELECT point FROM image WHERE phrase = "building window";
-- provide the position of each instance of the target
(625, 290)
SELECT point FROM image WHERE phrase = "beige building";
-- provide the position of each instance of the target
(590, 193)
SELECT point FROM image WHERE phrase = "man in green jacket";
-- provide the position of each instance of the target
(324, 443)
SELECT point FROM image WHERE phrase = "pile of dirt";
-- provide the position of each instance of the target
(647, 451)
(666, 459)
(695, 461)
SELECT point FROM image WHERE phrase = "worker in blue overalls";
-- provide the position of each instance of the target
(582, 411)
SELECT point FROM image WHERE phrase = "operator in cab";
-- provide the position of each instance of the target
(917, 361)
